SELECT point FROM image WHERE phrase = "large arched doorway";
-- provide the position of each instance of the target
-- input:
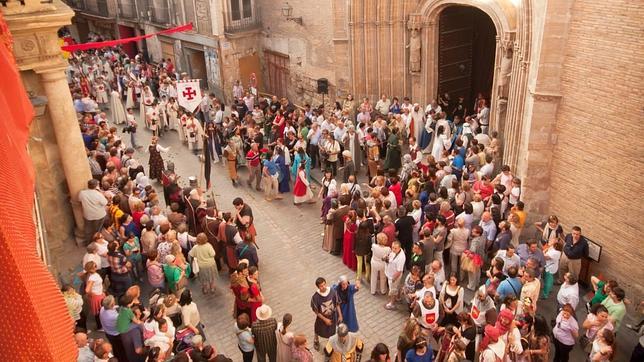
(466, 51)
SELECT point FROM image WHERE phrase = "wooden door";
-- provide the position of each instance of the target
(128, 48)
(277, 68)
(455, 52)
(250, 72)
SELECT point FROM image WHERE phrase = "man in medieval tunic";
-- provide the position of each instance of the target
(325, 304)
(344, 346)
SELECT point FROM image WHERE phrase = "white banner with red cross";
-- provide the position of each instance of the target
(189, 94)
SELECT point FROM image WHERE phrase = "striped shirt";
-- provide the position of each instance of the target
(252, 158)
(117, 263)
(265, 338)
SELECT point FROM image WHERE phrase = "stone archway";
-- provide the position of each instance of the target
(466, 52)
(504, 14)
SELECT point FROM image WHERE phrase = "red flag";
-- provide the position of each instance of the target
(111, 43)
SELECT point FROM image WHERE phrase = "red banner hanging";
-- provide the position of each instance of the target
(111, 43)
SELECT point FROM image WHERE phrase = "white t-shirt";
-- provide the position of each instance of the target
(552, 264)
(102, 252)
(396, 263)
(515, 194)
(97, 287)
(508, 261)
(92, 257)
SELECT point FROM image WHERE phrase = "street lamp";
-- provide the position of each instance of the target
(287, 11)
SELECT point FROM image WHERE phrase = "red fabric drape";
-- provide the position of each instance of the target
(35, 323)
(111, 43)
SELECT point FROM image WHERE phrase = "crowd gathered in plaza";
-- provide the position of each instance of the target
(413, 198)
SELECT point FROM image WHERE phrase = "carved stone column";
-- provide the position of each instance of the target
(36, 49)
(416, 51)
(68, 136)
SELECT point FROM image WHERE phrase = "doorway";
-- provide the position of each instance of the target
(128, 48)
(466, 51)
(277, 70)
(197, 66)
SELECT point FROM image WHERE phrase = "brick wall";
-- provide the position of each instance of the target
(595, 176)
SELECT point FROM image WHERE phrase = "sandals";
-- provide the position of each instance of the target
(316, 345)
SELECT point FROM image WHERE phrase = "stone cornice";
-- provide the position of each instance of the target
(545, 96)
(35, 36)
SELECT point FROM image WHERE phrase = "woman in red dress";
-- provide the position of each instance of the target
(84, 85)
(350, 228)
(280, 122)
(255, 292)
(302, 191)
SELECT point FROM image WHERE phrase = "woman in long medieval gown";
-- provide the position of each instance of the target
(441, 144)
(116, 105)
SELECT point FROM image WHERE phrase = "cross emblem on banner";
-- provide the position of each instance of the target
(189, 93)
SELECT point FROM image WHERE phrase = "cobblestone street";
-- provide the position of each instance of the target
(290, 259)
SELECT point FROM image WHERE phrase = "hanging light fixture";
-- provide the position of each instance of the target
(287, 12)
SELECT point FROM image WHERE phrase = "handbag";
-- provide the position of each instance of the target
(467, 264)
(195, 266)
(585, 343)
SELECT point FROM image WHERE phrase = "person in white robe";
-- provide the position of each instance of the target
(351, 141)
(147, 98)
(441, 143)
(417, 116)
(172, 111)
(100, 91)
(116, 105)
(131, 94)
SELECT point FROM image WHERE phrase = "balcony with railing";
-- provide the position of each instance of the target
(241, 15)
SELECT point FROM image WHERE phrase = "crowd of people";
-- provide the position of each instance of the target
(435, 214)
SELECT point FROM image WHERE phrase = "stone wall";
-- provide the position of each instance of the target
(309, 46)
(595, 175)
(232, 49)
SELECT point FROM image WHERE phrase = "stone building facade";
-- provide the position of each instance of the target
(562, 78)
(565, 96)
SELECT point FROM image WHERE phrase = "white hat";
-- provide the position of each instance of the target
(169, 259)
(264, 312)
(346, 153)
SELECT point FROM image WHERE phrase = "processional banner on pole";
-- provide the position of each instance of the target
(189, 94)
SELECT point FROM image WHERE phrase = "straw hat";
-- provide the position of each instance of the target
(264, 312)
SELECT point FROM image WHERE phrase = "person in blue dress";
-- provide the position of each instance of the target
(345, 292)
(422, 352)
(285, 173)
(300, 156)
(427, 132)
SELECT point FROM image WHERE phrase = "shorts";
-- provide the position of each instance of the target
(394, 286)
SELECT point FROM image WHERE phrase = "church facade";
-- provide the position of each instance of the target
(562, 78)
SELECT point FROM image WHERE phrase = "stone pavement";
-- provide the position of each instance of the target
(291, 258)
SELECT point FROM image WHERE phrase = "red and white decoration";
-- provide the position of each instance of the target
(189, 94)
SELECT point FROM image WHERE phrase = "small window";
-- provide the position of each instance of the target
(248, 10)
(235, 11)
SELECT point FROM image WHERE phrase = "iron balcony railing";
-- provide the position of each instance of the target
(242, 20)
